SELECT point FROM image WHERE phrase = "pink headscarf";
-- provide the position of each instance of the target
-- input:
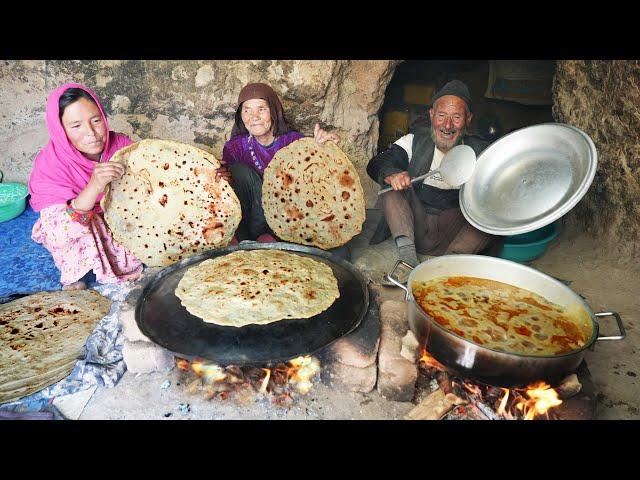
(60, 171)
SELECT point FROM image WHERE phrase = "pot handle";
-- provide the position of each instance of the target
(618, 321)
(394, 280)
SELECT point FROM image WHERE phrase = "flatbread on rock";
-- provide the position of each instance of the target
(312, 195)
(41, 337)
(168, 206)
(257, 287)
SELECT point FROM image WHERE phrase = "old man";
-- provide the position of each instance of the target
(425, 217)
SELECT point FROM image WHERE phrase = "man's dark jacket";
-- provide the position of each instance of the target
(395, 159)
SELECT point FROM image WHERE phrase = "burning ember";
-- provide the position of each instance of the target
(428, 360)
(215, 380)
(303, 369)
(490, 402)
(541, 398)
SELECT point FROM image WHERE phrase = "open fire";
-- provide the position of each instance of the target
(216, 381)
(465, 397)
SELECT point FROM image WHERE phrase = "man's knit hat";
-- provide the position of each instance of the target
(457, 88)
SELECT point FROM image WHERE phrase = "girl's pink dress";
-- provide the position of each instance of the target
(59, 174)
(78, 249)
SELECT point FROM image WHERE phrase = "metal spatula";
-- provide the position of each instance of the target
(456, 168)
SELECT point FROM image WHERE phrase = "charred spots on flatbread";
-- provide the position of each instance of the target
(163, 200)
(345, 195)
(187, 195)
(345, 179)
(294, 213)
(287, 180)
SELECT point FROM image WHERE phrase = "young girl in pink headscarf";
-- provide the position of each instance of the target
(67, 182)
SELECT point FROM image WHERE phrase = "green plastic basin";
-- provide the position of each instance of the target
(529, 246)
(13, 200)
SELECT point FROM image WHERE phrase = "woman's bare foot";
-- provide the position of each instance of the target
(79, 285)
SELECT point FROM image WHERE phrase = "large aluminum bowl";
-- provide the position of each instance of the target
(529, 178)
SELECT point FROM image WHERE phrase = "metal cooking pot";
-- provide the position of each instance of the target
(468, 359)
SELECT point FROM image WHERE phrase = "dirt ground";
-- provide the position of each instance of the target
(607, 282)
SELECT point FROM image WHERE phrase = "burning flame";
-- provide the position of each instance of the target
(428, 360)
(473, 389)
(302, 370)
(265, 381)
(297, 372)
(182, 364)
(503, 402)
(541, 398)
(211, 372)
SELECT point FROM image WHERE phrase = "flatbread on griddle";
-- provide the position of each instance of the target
(168, 206)
(257, 287)
(41, 337)
(312, 195)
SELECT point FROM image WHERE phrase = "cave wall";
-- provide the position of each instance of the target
(194, 101)
(602, 98)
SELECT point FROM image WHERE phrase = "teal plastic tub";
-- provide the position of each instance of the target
(13, 200)
(529, 246)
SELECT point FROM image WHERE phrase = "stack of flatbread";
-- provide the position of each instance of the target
(312, 195)
(168, 205)
(257, 287)
(41, 338)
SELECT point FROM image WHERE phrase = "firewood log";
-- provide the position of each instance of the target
(445, 382)
(434, 407)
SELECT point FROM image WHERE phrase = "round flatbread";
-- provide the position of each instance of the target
(41, 338)
(257, 287)
(168, 205)
(312, 195)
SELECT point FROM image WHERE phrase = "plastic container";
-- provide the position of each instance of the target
(529, 246)
(13, 200)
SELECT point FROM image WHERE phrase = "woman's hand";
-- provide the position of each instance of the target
(223, 172)
(321, 136)
(399, 181)
(103, 174)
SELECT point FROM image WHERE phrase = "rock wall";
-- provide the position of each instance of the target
(602, 98)
(194, 101)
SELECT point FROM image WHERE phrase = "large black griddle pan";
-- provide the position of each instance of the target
(163, 319)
